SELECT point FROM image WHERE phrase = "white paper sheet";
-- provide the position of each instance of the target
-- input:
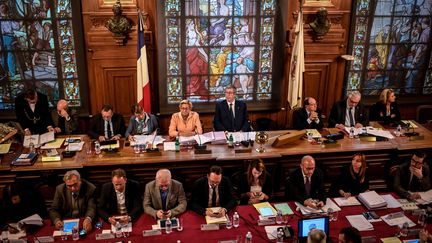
(359, 222)
(342, 202)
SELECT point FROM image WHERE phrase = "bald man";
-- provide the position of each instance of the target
(164, 197)
(65, 119)
(306, 184)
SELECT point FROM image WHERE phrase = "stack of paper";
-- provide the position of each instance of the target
(57, 143)
(308, 210)
(265, 209)
(216, 220)
(426, 197)
(34, 219)
(75, 146)
(372, 200)
(359, 222)
(391, 201)
(147, 139)
(351, 201)
(242, 136)
(398, 218)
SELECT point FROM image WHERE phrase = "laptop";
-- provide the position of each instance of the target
(306, 225)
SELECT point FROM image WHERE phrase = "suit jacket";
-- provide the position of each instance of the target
(338, 113)
(222, 118)
(300, 120)
(378, 111)
(152, 125)
(295, 187)
(200, 195)
(107, 205)
(402, 183)
(25, 115)
(176, 199)
(67, 127)
(62, 204)
(96, 128)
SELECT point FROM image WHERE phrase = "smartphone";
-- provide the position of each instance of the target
(374, 215)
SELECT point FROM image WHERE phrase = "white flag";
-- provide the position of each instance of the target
(295, 85)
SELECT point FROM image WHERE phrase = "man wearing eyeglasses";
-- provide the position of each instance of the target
(107, 125)
(164, 197)
(349, 112)
(231, 114)
(412, 177)
(309, 116)
(65, 119)
(213, 190)
(73, 199)
(32, 112)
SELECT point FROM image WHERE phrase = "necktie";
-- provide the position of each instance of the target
(164, 197)
(232, 116)
(308, 186)
(214, 197)
(351, 118)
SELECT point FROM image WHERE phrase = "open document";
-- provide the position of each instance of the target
(147, 139)
(308, 210)
(359, 222)
(38, 140)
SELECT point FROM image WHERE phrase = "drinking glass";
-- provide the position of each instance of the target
(63, 235)
(180, 226)
(137, 149)
(228, 223)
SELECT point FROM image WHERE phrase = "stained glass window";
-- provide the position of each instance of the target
(391, 45)
(38, 50)
(211, 44)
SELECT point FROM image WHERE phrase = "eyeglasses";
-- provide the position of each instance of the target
(416, 162)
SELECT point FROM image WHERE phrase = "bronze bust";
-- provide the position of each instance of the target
(119, 25)
(321, 24)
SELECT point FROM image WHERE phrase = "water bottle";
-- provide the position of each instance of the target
(177, 144)
(404, 230)
(398, 131)
(31, 147)
(248, 237)
(75, 234)
(236, 220)
(231, 141)
(351, 134)
(168, 228)
(97, 148)
(279, 217)
(280, 236)
(118, 232)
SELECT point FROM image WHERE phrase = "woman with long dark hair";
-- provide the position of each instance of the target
(353, 179)
(255, 185)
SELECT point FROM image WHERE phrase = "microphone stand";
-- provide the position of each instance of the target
(153, 149)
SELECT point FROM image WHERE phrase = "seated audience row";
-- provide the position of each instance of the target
(231, 115)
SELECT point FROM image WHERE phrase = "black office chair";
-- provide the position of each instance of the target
(264, 124)
(424, 114)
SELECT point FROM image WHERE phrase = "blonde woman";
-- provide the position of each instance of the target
(386, 109)
(185, 122)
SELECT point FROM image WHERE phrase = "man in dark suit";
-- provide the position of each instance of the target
(107, 125)
(306, 184)
(412, 177)
(65, 119)
(73, 199)
(309, 116)
(164, 197)
(213, 190)
(32, 112)
(348, 112)
(120, 199)
(231, 114)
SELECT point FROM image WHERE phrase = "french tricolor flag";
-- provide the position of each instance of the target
(143, 84)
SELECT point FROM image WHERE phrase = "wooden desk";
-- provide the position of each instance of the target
(187, 166)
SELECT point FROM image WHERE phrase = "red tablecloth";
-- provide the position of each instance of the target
(248, 222)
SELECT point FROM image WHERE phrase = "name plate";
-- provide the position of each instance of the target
(414, 138)
(152, 232)
(241, 151)
(104, 236)
(206, 227)
(43, 239)
(202, 151)
(262, 222)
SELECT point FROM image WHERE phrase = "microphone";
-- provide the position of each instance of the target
(152, 148)
(199, 146)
